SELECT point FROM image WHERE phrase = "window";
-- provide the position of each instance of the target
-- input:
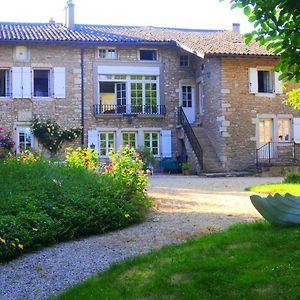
(131, 93)
(129, 139)
(150, 55)
(107, 53)
(144, 94)
(24, 139)
(187, 96)
(4, 83)
(184, 61)
(283, 126)
(41, 83)
(136, 96)
(107, 142)
(151, 140)
(265, 81)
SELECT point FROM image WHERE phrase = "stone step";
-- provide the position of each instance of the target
(228, 174)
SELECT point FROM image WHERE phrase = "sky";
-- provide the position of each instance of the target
(196, 14)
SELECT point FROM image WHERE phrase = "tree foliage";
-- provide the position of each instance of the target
(277, 25)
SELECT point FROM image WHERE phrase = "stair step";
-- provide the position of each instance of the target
(228, 174)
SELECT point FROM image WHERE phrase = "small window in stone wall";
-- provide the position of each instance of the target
(184, 61)
(148, 54)
(4, 83)
(41, 83)
(265, 81)
(105, 53)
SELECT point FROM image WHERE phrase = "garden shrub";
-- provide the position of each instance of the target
(42, 203)
(127, 169)
(81, 158)
(292, 177)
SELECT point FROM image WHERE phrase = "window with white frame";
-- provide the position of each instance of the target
(129, 139)
(151, 141)
(25, 138)
(284, 127)
(137, 93)
(184, 61)
(107, 53)
(187, 96)
(264, 81)
(106, 143)
(148, 54)
(4, 83)
(41, 83)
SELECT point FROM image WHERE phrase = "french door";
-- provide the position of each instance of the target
(188, 102)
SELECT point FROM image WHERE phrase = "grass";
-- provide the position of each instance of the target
(248, 261)
(272, 188)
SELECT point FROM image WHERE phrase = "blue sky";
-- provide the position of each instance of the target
(200, 14)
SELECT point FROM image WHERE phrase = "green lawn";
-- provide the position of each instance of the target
(248, 261)
(272, 188)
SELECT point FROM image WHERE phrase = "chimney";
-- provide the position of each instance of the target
(69, 15)
(236, 27)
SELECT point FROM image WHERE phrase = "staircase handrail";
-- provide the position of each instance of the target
(184, 122)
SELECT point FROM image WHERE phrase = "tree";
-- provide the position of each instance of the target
(277, 25)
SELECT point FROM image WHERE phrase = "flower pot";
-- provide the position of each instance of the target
(186, 172)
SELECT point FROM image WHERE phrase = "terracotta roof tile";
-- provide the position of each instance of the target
(200, 42)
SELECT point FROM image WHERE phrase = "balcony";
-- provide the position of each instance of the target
(119, 110)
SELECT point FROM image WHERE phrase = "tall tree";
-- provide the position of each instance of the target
(277, 25)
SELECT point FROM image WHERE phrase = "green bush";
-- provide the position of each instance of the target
(292, 177)
(42, 203)
(81, 158)
(126, 168)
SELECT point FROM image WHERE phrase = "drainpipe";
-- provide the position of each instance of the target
(82, 95)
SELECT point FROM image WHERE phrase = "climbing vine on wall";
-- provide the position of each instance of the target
(50, 134)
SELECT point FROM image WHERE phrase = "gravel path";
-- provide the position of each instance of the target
(184, 207)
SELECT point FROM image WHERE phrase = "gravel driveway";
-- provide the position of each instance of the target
(184, 207)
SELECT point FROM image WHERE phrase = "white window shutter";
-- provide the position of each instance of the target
(297, 130)
(59, 82)
(26, 82)
(93, 138)
(17, 82)
(277, 83)
(253, 80)
(166, 143)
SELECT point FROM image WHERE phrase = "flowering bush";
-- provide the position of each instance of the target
(51, 135)
(126, 167)
(81, 158)
(6, 141)
(43, 203)
(27, 156)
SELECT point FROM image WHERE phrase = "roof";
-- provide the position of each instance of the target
(199, 42)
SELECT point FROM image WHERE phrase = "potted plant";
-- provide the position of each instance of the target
(186, 168)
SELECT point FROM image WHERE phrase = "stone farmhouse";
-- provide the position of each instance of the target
(201, 95)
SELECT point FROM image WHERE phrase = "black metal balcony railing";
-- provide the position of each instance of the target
(109, 109)
(184, 122)
(280, 152)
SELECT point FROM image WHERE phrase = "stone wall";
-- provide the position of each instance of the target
(170, 75)
(19, 112)
(241, 110)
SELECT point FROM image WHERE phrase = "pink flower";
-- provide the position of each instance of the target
(1, 129)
